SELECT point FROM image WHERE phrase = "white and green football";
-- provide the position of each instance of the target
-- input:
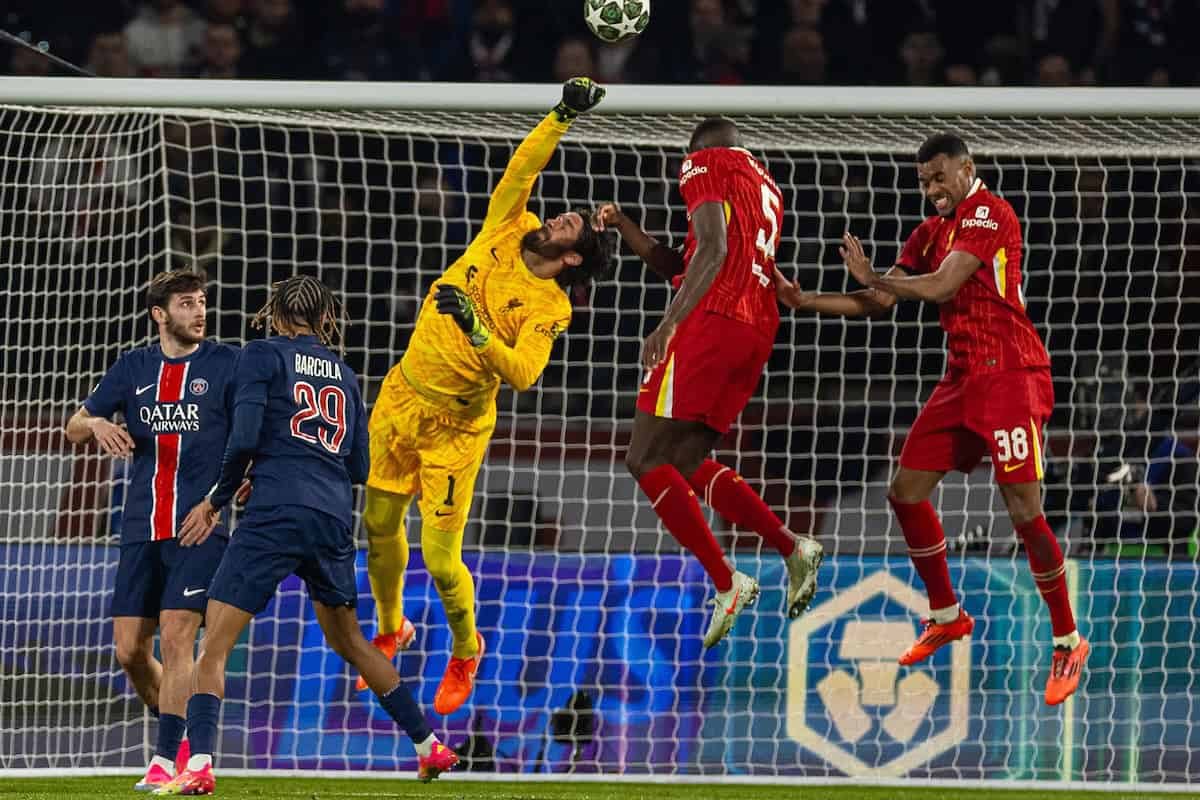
(616, 20)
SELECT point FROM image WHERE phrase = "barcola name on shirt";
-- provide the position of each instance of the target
(171, 417)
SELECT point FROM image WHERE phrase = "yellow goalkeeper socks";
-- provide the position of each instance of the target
(456, 587)
(387, 558)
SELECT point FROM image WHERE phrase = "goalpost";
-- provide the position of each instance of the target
(592, 615)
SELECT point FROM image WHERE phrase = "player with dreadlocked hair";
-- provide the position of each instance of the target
(298, 414)
(303, 301)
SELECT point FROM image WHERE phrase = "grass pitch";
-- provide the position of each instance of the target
(449, 789)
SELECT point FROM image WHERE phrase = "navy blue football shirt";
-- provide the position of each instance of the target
(178, 412)
(299, 414)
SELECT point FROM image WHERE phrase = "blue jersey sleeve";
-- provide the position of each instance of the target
(358, 463)
(231, 386)
(256, 366)
(109, 395)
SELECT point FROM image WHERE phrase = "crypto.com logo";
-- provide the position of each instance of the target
(869, 680)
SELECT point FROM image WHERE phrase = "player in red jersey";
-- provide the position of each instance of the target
(995, 398)
(704, 360)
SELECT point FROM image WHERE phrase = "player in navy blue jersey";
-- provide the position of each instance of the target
(299, 416)
(176, 399)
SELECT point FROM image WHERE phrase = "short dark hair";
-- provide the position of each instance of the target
(596, 249)
(942, 144)
(714, 132)
(179, 281)
(304, 300)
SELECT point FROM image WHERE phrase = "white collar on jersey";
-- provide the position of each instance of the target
(975, 187)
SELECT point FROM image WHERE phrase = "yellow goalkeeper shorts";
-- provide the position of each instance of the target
(419, 448)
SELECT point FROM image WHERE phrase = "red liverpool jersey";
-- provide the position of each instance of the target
(986, 326)
(744, 289)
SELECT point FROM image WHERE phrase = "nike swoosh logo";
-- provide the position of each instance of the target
(733, 602)
(144, 389)
(193, 592)
(1011, 467)
(462, 401)
(442, 513)
(495, 257)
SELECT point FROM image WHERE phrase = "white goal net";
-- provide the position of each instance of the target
(593, 617)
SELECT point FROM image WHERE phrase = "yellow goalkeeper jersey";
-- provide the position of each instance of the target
(524, 313)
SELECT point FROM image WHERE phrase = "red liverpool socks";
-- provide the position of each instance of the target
(676, 505)
(729, 494)
(927, 549)
(1049, 572)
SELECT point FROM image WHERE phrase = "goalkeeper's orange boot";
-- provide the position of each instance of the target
(1065, 671)
(191, 783)
(442, 759)
(458, 681)
(389, 644)
(937, 634)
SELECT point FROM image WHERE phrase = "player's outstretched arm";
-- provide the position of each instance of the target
(657, 256)
(866, 303)
(113, 439)
(511, 194)
(934, 287)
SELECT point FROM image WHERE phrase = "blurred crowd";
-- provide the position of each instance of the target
(888, 42)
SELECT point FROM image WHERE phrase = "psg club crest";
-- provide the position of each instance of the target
(852, 704)
(198, 386)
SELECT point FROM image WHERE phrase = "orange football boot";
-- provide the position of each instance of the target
(389, 644)
(458, 681)
(1065, 671)
(937, 634)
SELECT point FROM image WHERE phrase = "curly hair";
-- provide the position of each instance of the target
(302, 300)
(597, 249)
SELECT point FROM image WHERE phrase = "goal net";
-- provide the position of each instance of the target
(593, 617)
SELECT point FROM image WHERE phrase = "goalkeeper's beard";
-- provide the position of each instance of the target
(538, 242)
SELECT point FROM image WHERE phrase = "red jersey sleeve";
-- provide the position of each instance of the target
(702, 178)
(983, 229)
(919, 247)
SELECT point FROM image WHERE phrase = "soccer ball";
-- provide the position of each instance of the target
(616, 20)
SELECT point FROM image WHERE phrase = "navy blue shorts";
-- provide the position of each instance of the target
(270, 544)
(157, 576)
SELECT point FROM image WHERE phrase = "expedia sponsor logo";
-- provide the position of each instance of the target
(688, 172)
(171, 417)
(990, 224)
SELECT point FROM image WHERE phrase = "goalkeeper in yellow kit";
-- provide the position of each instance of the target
(493, 316)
